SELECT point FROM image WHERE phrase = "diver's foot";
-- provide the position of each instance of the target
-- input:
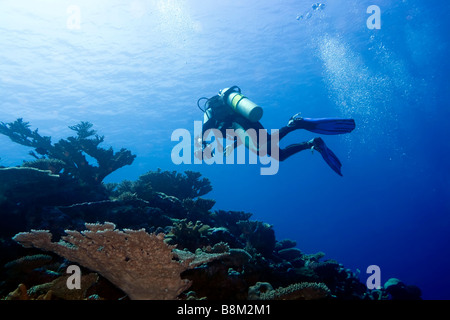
(330, 158)
(317, 144)
(294, 120)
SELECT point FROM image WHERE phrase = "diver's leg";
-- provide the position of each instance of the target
(316, 144)
(328, 126)
(285, 130)
(292, 125)
(295, 148)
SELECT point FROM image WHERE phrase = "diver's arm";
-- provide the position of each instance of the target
(201, 145)
(209, 123)
(204, 148)
(230, 147)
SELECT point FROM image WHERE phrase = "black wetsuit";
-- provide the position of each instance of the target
(221, 117)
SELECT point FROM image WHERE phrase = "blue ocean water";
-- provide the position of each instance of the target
(135, 69)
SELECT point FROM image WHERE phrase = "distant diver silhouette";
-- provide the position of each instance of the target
(231, 110)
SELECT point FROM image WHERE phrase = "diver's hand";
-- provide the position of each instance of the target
(208, 152)
(198, 154)
(229, 148)
(199, 147)
(198, 142)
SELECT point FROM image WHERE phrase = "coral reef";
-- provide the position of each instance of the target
(255, 291)
(295, 291)
(189, 185)
(21, 294)
(28, 263)
(163, 239)
(54, 165)
(139, 263)
(397, 290)
(54, 290)
(298, 291)
(20, 184)
(70, 152)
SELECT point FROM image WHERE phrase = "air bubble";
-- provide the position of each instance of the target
(308, 14)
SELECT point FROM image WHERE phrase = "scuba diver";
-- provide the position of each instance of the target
(232, 110)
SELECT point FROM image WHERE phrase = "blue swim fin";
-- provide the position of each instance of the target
(327, 126)
(330, 158)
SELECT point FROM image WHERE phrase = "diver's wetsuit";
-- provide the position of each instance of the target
(221, 117)
(292, 148)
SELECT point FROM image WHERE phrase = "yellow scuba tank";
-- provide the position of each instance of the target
(241, 104)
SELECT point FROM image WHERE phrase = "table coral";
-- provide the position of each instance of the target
(20, 184)
(140, 264)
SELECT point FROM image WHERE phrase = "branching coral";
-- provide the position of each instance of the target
(259, 235)
(183, 186)
(297, 291)
(199, 209)
(188, 235)
(141, 264)
(71, 151)
(20, 132)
